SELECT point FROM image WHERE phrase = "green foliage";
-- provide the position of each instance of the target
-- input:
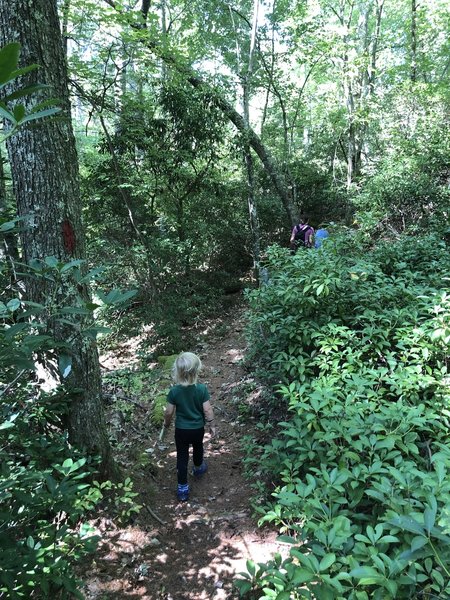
(159, 401)
(118, 499)
(43, 481)
(177, 228)
(402, 197)
(9, 72)
(166, 363)
(45, 487)
(406, 190)
(359, 472)
(25, 335)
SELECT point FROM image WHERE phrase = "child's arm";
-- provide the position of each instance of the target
(168, 414)
(209, 417)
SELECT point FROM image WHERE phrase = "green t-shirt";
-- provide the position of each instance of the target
(188, 401)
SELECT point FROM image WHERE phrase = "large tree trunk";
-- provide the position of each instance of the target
(44, 169)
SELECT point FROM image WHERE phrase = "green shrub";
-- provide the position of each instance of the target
(402, 196)
(45, 483)
(359, 473)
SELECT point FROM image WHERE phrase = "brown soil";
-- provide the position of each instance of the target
(192, 550)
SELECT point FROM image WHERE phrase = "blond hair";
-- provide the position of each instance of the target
(186, 368)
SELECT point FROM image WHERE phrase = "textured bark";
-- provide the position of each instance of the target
(44, 169)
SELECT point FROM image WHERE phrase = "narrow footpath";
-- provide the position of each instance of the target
(192, 550)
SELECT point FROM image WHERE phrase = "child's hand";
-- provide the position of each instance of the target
(162, 433)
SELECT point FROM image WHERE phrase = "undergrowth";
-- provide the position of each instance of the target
(355, 344)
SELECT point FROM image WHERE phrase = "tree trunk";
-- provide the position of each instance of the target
(248, 158)
(44, 169)
(413, 41)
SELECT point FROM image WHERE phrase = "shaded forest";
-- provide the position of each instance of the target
(154, 160)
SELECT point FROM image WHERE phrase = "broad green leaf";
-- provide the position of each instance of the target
(302, 575)
(364, 572)
(73, 310)
(251, 567)
(51, 261)
(26, 91)
(418, 542)
(51, 483)
(12, 331)
(116, 296)
(49, 102)
(71, 265)
(243, 586)
(10, 422)
(13, 305)
(327, 561)
(437, 576)
(9, 57)
(19, 112)
(408, 524)
(429, 515)
(92, 332)
(391, 586)
(40, 115)
(286, 539)
(30, 542)
(8, 226)
(8, 115)
(92, 274)
(24, 70)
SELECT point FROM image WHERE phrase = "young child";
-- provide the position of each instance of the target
(189, 400)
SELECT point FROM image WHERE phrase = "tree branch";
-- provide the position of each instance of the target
(191, 77)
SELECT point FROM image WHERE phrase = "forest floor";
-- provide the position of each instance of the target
(191, 550)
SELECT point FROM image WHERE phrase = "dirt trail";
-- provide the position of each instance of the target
(199, 546)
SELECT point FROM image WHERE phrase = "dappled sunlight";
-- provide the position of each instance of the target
(235, 355)
(191, 550)
(162, 558)
(126, 354)
(126, 542)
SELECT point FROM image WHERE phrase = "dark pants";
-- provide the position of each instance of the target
(183, 439)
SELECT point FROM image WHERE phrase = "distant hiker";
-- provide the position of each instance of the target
(263, 271)
(302, 235)
(190, 401)
(320, 235)
(263, 276)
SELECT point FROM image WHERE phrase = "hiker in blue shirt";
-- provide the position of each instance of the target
(190, 401)
(320, 235)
